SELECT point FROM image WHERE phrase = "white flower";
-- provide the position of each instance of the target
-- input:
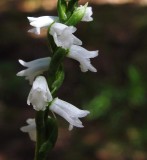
(63, 35)
(68, 112)
(40, 94)
(87, 16)
(34, 68)
(40, 22)
(30, 128)
(83, 56)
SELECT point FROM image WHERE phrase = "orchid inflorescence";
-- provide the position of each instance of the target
(63, 43)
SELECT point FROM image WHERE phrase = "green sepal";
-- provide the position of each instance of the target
(59, 77)
(76, 16)
(51, 137)
(62, 8)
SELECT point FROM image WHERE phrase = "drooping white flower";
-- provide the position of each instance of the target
(63, 35)
(68, 112)
(40, 22)
(30, 128)
(39, 95)
(87, 16)
(83, 56)
(34, 68)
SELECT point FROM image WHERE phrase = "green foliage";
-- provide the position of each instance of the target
(131, 95)
(99, 105)
(136, 87)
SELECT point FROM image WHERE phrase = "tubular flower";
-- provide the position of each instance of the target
(87, 16)
(30, 128)
(40, 94)
(40, 22)
(83, 56)
(34, 68)
(63, 35)
(69, 112)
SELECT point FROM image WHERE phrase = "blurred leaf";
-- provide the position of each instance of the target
(99, 105)
(136, 88)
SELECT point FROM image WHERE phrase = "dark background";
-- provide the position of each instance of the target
(116, 129)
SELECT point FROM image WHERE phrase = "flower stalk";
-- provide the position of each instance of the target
(40, 137)
(43, 95)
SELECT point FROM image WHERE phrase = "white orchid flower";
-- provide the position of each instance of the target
(30, 129)
(41, 22)
(39, 95)
(68, 112)
(63, 35)
(34, 68)
(87, 16)
(83, 56)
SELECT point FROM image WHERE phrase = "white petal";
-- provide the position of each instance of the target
(87, 16)
(63, 114)
(43, 21)
(30, 129)
(63, 35)
(70, 127)
(35, 68)
(57, 28)
(34, 30)
(40, 22)
(31, 19)
(40, 94)
(83, 56)
(71, 109)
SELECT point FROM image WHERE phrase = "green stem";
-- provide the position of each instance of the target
(40, 133)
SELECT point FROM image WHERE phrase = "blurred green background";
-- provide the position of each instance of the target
(116, 95)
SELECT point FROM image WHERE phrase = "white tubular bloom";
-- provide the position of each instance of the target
(34, 68)
(40, 22)
(40, 94)
(83, 56)
(30, 129)
(63, 35)
(87, 16)
(68, 112)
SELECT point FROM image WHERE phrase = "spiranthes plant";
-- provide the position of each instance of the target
(43, 129)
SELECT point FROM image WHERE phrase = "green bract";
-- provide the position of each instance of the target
(72, 5)
(77, 15)
(54, 70)
(62, 8)
(58, 79)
